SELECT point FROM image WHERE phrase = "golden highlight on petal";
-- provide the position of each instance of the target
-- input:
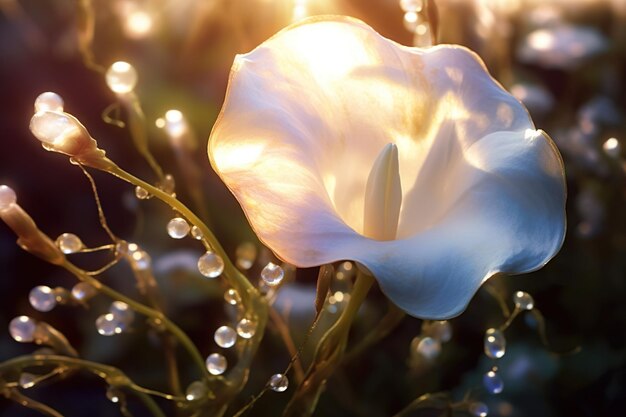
(340, 144)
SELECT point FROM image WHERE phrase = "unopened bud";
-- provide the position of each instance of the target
(30, 238)
(61, 132)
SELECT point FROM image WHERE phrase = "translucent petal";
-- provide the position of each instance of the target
(308, 112)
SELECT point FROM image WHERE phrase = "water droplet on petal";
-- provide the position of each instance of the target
(141, 193)
(22, 329)
(479, 409)
(108, 325)
(495, 343)
(196, 391)
(69, 243)
(225, 337)
(216, 364)
(42, 298)
(83, 291)
(429, 348)
(246, 255)
(279, 382)
(272, 274)
(27, 380)
(210, 265)
(231, 296)
(523, 300)
(178, 228)
(492, 382)
(196, 233)
(246, 328)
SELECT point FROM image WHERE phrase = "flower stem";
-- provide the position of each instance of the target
(256, 306)
(237, 280)
(329, 353)
(111, 375)
(145, 310)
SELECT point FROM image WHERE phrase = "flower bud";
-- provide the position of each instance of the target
(30, 238)
(61, 132)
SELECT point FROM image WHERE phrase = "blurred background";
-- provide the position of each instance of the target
(565, 59)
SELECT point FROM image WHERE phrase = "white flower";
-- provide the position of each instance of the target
(474, 188)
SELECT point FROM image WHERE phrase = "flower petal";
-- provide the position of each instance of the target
(508, 216)
(306, 115)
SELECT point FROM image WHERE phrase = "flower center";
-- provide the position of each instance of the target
(383, 196)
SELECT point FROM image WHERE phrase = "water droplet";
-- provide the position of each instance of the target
(225, 337)
(196, 391)
(411, 21)
(523, 300)
(168, 184)
(495, 343)
(83, 291)
(612, 147)
(114, 395)
(27, 380)
(429, 348)
(141, 193)
(246, 255)
(7, 197)
(69, 243)
(279, 382)
(196, 233)
(411, 5)
(42, 298)
(121, 77)
(122, 313)
(48, 101)
(492, 382)
(216, 364)
(232, 296)
(141, 260)
(108, 325)
(246, 328)
(22, 329)
(479, 409)
(178, 228)
(210, 265)
(272, 274)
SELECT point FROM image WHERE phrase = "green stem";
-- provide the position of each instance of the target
(237, 280)
(138, 132)
(146, 311)
(255, 304)
(329, 353)
(18, 397)
(110, 374)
